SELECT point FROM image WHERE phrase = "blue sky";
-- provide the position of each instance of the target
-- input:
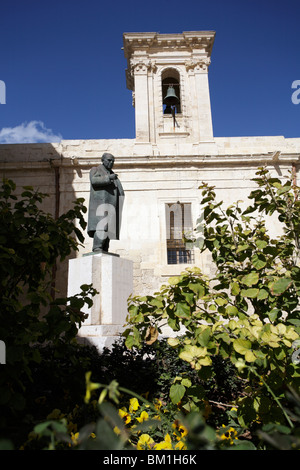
(64, 69)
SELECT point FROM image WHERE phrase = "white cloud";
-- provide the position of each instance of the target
(28, 132)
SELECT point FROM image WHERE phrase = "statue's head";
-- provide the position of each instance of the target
(108, 160)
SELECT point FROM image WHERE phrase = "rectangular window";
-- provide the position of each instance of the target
(179, 226)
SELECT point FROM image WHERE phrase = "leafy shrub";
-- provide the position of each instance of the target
(31, 242)
(248, 313)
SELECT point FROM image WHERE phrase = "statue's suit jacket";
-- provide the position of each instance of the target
(103, 192)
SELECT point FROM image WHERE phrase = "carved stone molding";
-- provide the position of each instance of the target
(142, 65)
(199, 65)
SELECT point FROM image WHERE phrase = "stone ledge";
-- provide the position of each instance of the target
(100, 330)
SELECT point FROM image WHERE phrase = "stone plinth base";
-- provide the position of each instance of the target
(112, 277)
(100, 336)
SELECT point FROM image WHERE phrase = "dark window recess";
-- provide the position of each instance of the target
(178, 225)
(174, 85)
(170, 82)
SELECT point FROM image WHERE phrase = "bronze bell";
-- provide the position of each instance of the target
(171, 99)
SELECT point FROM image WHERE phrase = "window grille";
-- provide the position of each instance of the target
(178, 225)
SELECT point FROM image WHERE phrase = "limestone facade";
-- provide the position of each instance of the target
(166, 162)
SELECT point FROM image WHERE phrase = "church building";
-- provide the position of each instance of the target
(161, 169)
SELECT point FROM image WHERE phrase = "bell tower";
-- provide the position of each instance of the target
(168, 76)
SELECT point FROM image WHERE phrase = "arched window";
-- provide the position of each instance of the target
(170, 81)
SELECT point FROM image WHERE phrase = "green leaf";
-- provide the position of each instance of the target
(204, 361)
(173, 323)
(186, 382)
(231, 310)
(259, 261)
(263, 294)
(243, 445)
(235, 288)
(133, 338)
(177, 392)
(250, 356)
(261, 244)
(190, 353)
(189, 297)
(156, 302)
(203, 338)
(130, 342)
(221, 301)
(283, 190)
(250, 279)
(173, 342)
(271, 339)
(280, 286)
(197, 288)
(242, 248)
(250, 293)
(273, 314)
(182, 310)
(26, 194)
(242, 345)
(174, 280)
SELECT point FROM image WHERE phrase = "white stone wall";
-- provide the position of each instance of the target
(149, 182)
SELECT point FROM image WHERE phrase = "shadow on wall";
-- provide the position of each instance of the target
(41, 166)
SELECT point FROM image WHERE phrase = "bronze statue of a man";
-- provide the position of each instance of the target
(106, 202)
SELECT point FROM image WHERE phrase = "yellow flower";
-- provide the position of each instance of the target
(180, 430)
(74, 438)
(134, 405)
(158, 404)
(124, 415)
(90, 386)
(181, 445)
(145, 442)
(143, 417)
(228, 435)
(166, 444)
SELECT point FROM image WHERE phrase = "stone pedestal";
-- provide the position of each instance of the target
(112, 277)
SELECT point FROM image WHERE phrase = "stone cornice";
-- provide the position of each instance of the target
(206, 160)
(159, 162)
(188, 40)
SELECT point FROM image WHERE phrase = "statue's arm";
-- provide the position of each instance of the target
(98, 180)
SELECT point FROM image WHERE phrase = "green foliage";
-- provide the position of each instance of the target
(31, 242)
(248, 313)
(58, 392)
(281, 437)
(228, 378)
(140, 425)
